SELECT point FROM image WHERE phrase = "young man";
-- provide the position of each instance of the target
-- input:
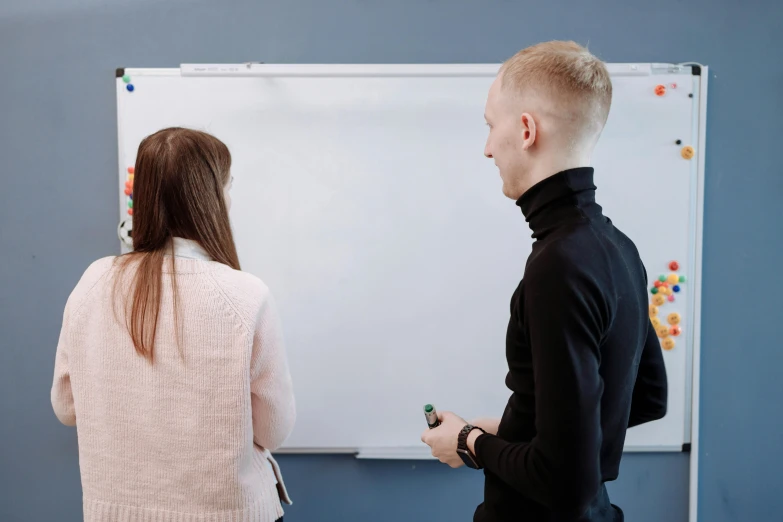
(584, 360)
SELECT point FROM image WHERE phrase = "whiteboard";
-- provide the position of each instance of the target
(362, 198)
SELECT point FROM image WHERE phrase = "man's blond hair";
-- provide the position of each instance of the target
(564, 71)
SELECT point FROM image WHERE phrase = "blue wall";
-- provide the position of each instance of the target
(58, 213)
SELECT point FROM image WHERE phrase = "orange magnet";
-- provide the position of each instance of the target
(675, 330)
(673, 318)
(657, 284)
(128, 192)
(655, 322)
(653, 310)
(687, 152)
(667, 344)
(130, 211)
(660, 90)
(131, 170)
(662, 331)
(658, 299)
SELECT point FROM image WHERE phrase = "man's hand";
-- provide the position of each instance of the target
(443, 439)
(488, 424)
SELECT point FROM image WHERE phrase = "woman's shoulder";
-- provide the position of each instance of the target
(92, 276)
(96, 271)
(243, 288)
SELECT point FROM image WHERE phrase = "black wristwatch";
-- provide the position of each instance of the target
(464, 453)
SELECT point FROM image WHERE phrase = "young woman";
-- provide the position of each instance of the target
(171, 361)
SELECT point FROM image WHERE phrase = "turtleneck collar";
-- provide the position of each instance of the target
(558, 199)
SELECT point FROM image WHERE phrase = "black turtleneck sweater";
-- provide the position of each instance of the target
(584, 363)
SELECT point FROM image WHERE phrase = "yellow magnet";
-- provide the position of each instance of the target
(662, 331)
(673, 318)
(655, 322)
(653, 310)
(673, 279)
(658, 299)
(667, 344)
(687, 152)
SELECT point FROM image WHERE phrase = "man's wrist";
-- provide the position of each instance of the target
(471, 440)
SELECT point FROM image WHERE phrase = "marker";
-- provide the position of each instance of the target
(431, 415)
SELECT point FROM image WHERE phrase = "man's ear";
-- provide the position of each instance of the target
(528, 130)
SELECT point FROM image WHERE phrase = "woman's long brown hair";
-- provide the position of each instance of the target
(178, 185)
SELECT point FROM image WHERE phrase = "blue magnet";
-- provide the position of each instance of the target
(676, 288)
(129, 87)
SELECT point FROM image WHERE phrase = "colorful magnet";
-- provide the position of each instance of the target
(131, 170)
(673, 318)
(674, 266)
(673, 278)
(660, 90)
(661, 278)
(658, 300)
(670, 298)
(662, 331)
(676, 288)
(653, 310)
(687, 152)
(127, 192)
(667, 344)
(126, 78)
(130, 211)
(654, 290)
(130, 203)
(682, 279)
(657, 284)
(675, 330)
(655, 322)
(130, 87)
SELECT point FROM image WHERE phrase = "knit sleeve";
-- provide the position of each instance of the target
(61, 394)
(274, 408)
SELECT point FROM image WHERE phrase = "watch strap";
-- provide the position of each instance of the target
(462, 441)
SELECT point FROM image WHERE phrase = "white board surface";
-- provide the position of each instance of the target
(362, 198)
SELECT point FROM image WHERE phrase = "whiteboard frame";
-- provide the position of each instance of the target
(251, 69)
(693, 489)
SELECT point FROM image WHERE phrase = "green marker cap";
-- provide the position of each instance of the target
(428, 408)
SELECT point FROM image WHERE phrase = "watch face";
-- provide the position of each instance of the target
(467, 458)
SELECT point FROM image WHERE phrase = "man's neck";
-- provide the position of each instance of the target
(553, 164)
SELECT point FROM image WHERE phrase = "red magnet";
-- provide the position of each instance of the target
(670, 298)
(660, 90)
(674, 266)
(130, 170)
